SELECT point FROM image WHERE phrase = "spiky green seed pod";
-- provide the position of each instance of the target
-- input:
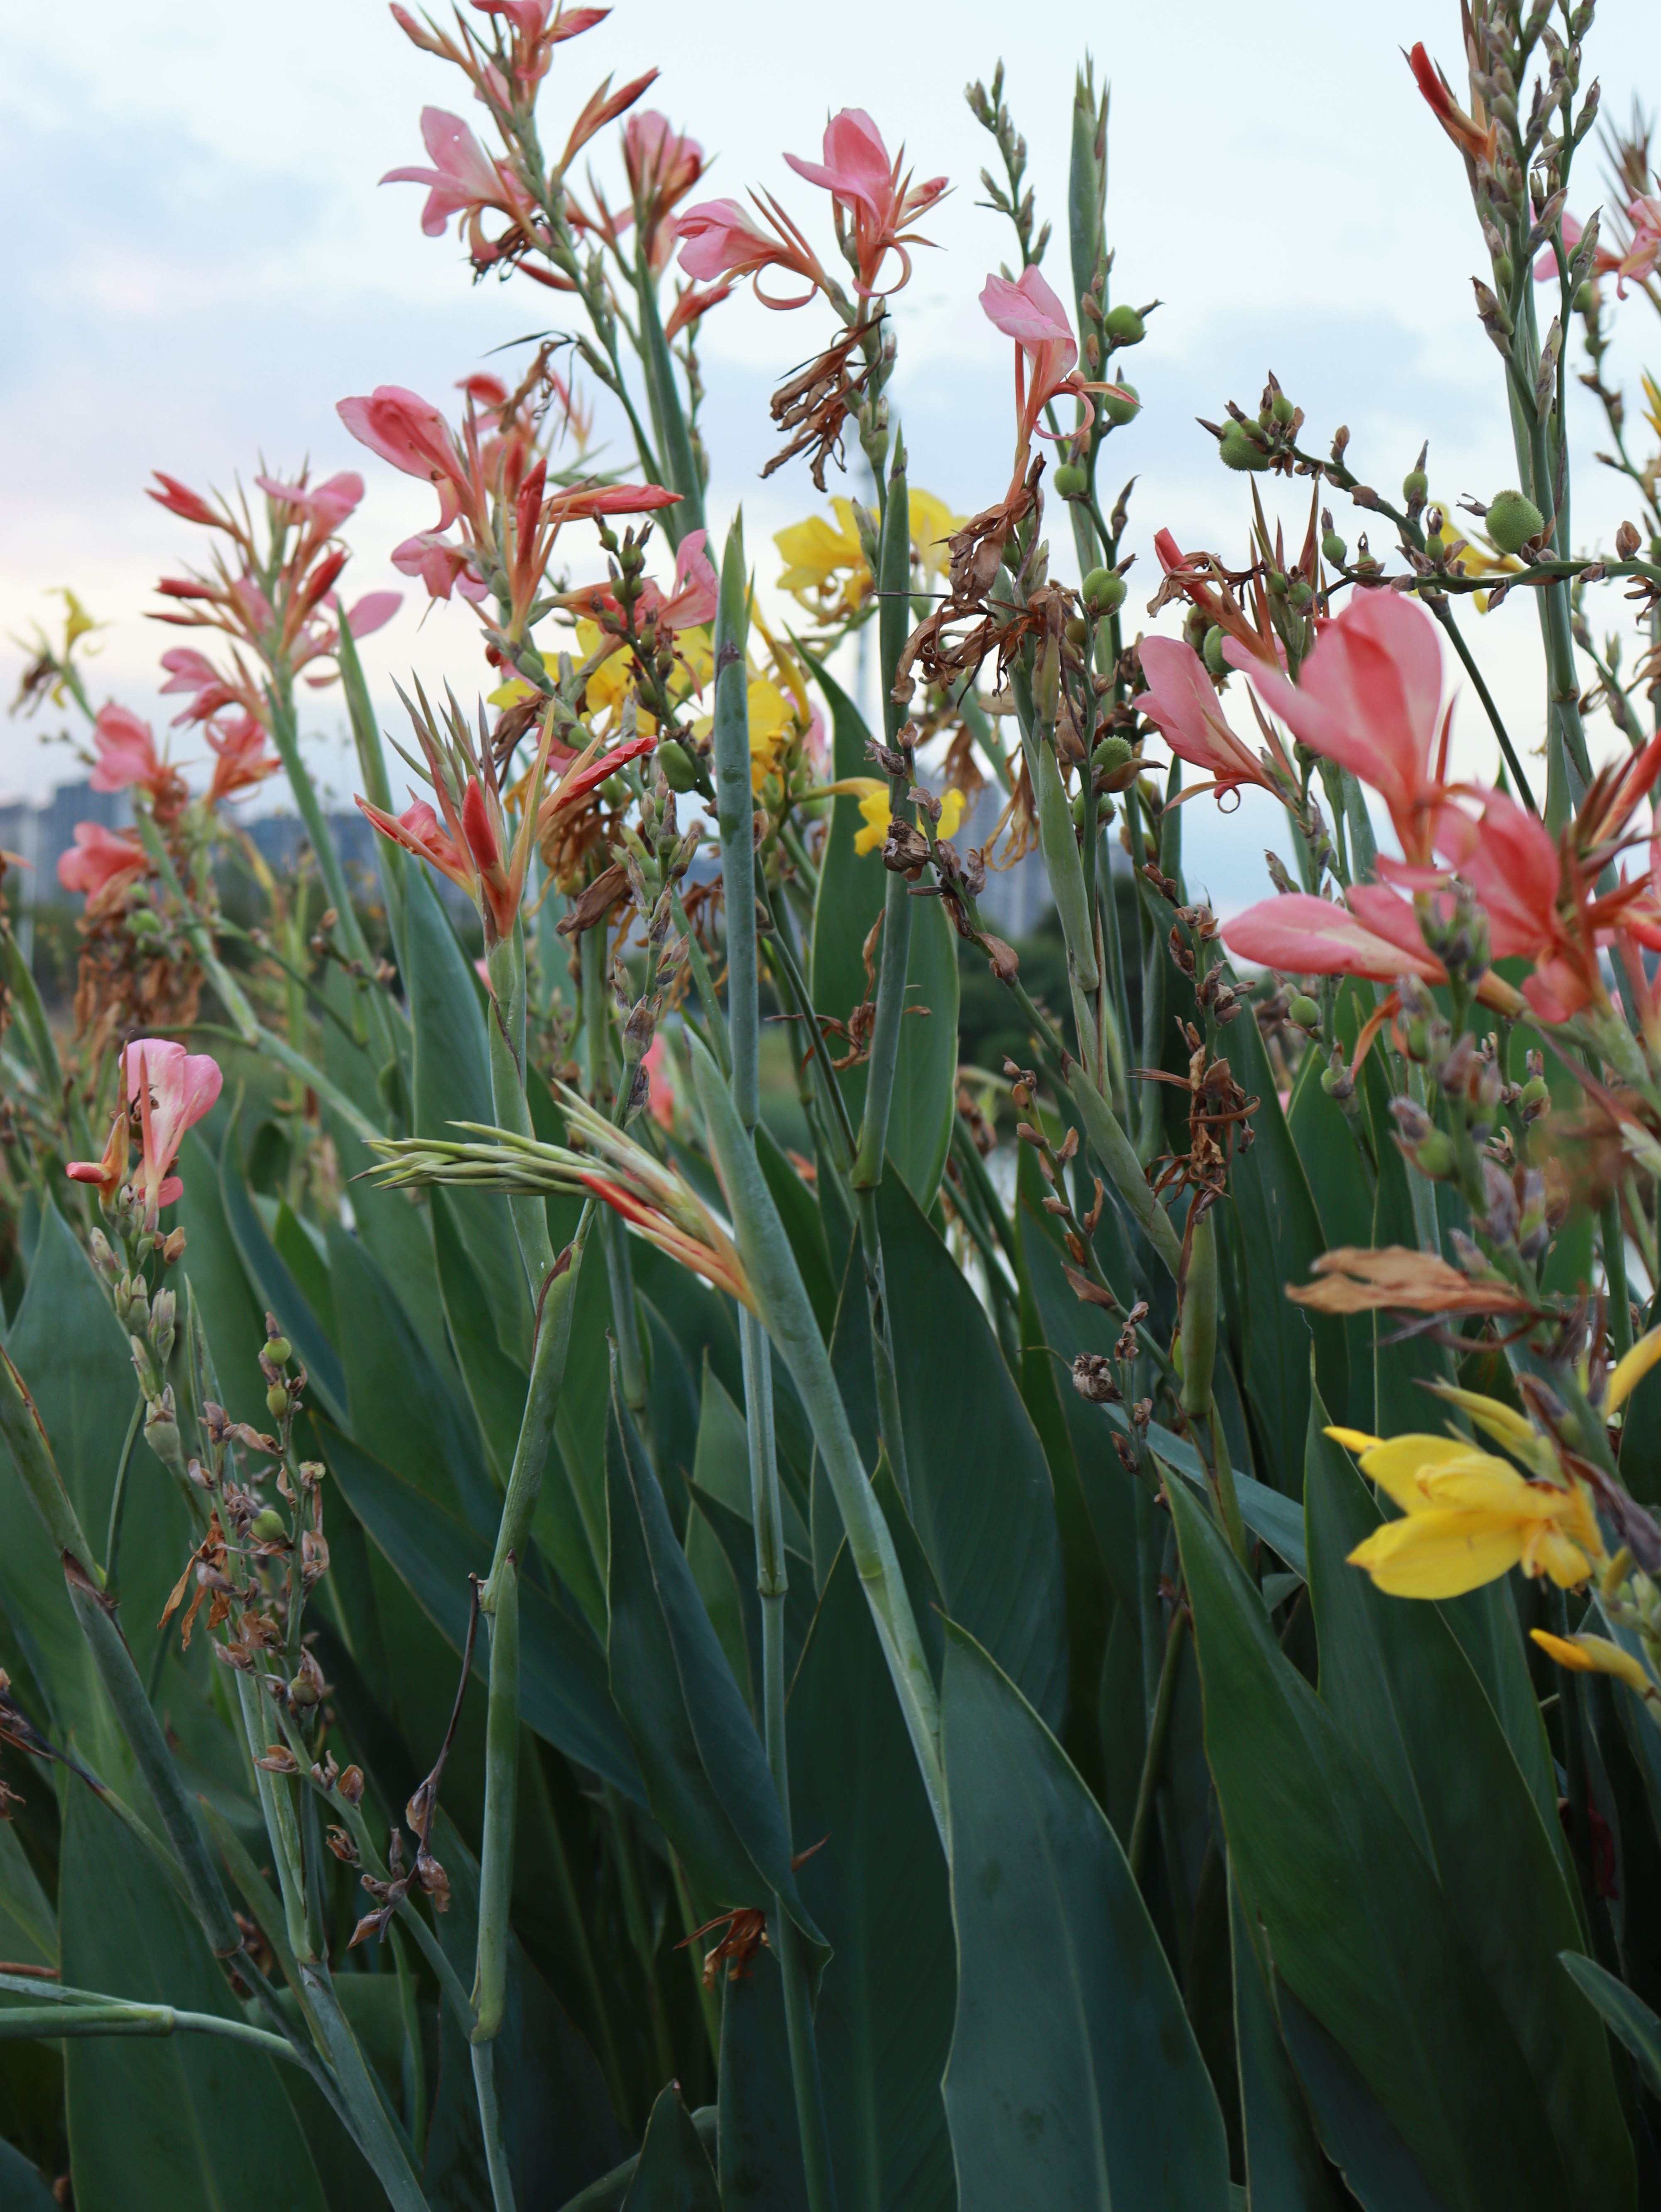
(1512, 518)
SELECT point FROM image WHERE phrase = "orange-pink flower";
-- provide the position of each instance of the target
(1027, 311)
(719, 238)
(466, 181)
(870, 189)
(1182, 699)
(173, 1088)
(1370, 696)
(127, 760)
(241, 761)
(99, 857)
(1377, 937)
(404, 429)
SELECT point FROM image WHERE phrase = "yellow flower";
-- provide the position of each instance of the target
(826, 569)
(77, 622)
(873, 810)
(510, 693)
(1595, 1654)
(611, 683)
(1629, 1370)
(773, 722)
(932, 523)
(1467, 1518)
(1653, 412)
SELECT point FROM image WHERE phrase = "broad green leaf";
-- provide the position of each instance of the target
(879, 1892)
(232, 1319)
(1401, 1688)
(1358, 1926)
(925, 1072)
(759, 2144)
(556, 2120)
(1281, 1237)
(980, 1495)
(799, 1211)
(707, 1780)
(1626, 2015)
(1285, 2166)
(735, 1535)
(606, 2195)
(1377, 2166)
(496, 1386)
(722, 1465)
(21, 2188)
(300, 1249)
(452, 1083)
(563, 1692)
(28, 1925)
(274, 1286)
(1074, 2079)
(402, 1408)
(672, 2173)
(153, 2122)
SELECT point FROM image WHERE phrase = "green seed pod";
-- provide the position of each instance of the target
(1104, 591)
(1306, 1012)
(1299, 595)
(1513, 519)
(276, 1402)
(268, 1525)
(1585, 298)
(1237, 450)
(1071, 480)
(1121, 406)
(678, 772)
(1434, 1155)
(1334, 551)
(1212, 652)
(1080, 800)
(1073, 630)
(1125, 326)
(1277, 583)
(1111, 753)
(277, 1349)
(1282, 408)
(1416, 487)
(1200, 1317)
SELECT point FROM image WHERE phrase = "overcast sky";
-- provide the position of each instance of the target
(197, 264)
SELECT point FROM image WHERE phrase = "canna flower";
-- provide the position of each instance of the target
(99, 859)
(241, 761)
(403, 429)
(868, 188)
(173, 1088)
(933, 526)
(827, 572)
(466, 181)
(189, 506)
(208, 689)
(1182, 699)
(1468, 1517)
(718, 238)
(875, 812)
(1027, 311)
(1370, 696)
(1596, 1655)
(1472, 134)
(128, 760)
(419, 830)
(442, 565)
(695, 593)
(1376, 936)
(324, 506)
(662, 165)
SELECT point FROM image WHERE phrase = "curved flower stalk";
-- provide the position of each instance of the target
(655, 1201)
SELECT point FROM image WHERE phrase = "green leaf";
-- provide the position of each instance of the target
(28, 1925)
(803, 1224)
(1281, 1237)
(722, 1464)
(21, 2188)
(1357, 1925)
(401, 1407)
(672, 2173)
(926, 1073)
(163, 2122)
(759, 2144)
(234, 1321)
(495, 1385)
(274, 1286)
(1376, 2164)
(297, 1247)
(1626, 2015)
(1285, 2165)
(563, 1697)
(707, 1780)
(1075, 2078)
(735, 1535)
(452, 1083)
(981, 1499)
(878, 1890)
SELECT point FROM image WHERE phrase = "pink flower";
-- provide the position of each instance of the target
(465, 180)
(442, 565)
(193, 673)
(178, 499)
(1645, 250)
(662, 165)
(173, 1089)
(324, 506)
(1182, 700)
(696, 592)
(373, 612)
(99, 857)
(1378, 938)
(1370, 696)
(1029, 311)
(404, 429)
(241, 761)
(419, 830)
(864, 184)
(719, 238)
(126, 752)
(661, 1106)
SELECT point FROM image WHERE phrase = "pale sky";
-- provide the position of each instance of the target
(197, 264)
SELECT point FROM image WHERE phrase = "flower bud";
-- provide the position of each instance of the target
(615, 792)
(1123, 326)
(1305, 1012)
(1434, 1156)
(1416, 487)
(1626, 542)
(1104, 591)
(1534, 1097)
(1237, 450)
(103, 1257)
(173, 1246)
(163, 1312)
(1121, 406)
(305, 1689)
(161, 1428)
(1512, 521)
(1071, 480)
(1211, 652)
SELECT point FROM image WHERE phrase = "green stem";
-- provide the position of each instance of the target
(735, 810)
(505, 1025)
(119, 1499)
(495, 1876)
(1159, 1730)
(489, 2120)
(1614, 1239)
(281, 1829)
(1444, 614)
(414, 2060)
(117, 2016)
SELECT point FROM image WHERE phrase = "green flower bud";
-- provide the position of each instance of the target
(1104, 591)
(1277, 584)
(1071, 480)
(1072, 629)
(1535, 1095)
(1118, 409)
(1125, 326)
(1212, 652)
(1237, 450)
(1513, 519)
(1305, 1010)
(268, 1527)
(1416, 487)
(678, 772)
(1282, 408)
(1080, 800)
(303, 1690)
(1334, 550)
